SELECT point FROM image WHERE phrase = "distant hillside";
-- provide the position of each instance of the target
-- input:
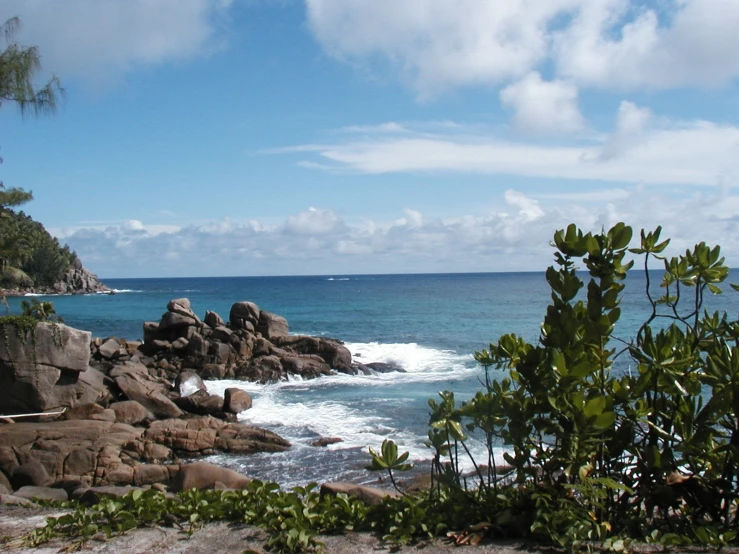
(31, 260)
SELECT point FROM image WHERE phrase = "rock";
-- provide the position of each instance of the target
(131, 412)
(173, 320)
(271, 325)
(221, 334)
(207, 435)
(94, 495)
(325, 441)
(264, 369)
(188, 382)
(110, 349)
(181, 306)
(4, 489)
(201, 403)
(31, 473)
(212, 319)
(42, 369)
(90, 411)
(201, 475)
(369, 495)
(236, 400)
(42, 493)
(242, 312)
(10, 500)
(385, 367)
(134, 382)
(197, 346)
(307, 367)
(151, 331)
(331, 351)
(79, 280)
(5, 482)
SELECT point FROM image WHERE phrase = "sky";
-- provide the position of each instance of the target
(295, 137)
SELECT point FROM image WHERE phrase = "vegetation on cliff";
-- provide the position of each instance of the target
(29, 255)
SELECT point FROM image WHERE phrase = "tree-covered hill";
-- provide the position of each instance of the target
(29, 256)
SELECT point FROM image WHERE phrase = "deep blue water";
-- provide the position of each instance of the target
(429, 324)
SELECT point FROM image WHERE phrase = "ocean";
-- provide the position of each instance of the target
(430, 325)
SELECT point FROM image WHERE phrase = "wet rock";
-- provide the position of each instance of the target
(188, 382)
(236, 400)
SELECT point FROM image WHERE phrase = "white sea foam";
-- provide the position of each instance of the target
(340, 279)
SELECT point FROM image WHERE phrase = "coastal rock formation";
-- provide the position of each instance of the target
(254, 345)
(47, 368)
(95, 453)
(78, 280)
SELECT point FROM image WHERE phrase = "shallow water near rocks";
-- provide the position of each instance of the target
(430, 325)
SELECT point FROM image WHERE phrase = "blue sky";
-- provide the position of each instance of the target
(248, 137)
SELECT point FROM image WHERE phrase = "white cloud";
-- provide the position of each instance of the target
(681, 153)
(543, 107)
(444, 44)
(513, 237)
(100, 40)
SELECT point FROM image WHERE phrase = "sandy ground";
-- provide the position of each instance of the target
(215, 538)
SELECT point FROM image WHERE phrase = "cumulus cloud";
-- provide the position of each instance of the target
(101, 40)
(678, 152)
(444, 44)
(543, 107)
(514, 236)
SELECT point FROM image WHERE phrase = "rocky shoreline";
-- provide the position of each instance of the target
(118, 413)
(77, 280)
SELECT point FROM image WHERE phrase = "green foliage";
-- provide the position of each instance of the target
(593, 453)
(40, 311)
(29, 254)
(293, 519)
(18, 66)
(388, 460)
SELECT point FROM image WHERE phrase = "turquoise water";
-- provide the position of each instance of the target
(428, 324)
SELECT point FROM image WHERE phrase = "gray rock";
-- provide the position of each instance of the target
(212, 319)
(32, 473)
(42, 493)
(272, 325)
(188, 382)
(369, 495)
(10, 500)
(242, 312)
(110, 349)
(137, 385)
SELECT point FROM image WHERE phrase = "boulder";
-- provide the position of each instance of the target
(272, 325)
(173, 320)
(134, 381)
(243, 312)
(110, 349)
(201, 403)
(131, 412)
(42, 493)
(11, 500)
(187, 383)
(385, 367)
(236, 400)
(181, 306)
(264, 369)
(90, 411)
(212, 319)
(369, 495)
(201, 475)
(307, 367)
(151, 329)
(46, 369)
(32, 473)
(325, 441)
(94, 495)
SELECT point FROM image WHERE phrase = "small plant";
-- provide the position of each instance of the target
(388, 460)
(41, 311)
